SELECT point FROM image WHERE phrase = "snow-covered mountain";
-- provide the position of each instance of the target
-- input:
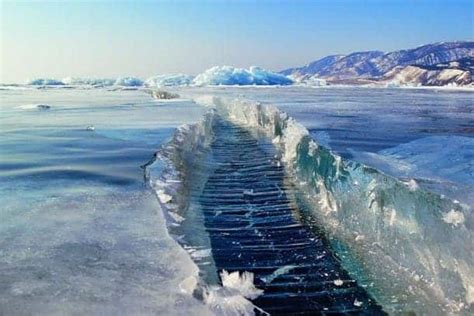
(457, 72)
(363, 67)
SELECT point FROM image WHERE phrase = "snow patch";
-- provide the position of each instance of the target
(454, 217)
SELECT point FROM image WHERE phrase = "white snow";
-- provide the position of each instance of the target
(454, 217)
(227, 75)
(306, 80)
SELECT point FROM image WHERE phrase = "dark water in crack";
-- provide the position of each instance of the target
(254, 226)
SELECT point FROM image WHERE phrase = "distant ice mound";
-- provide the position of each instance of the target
(128, 82)
(41, 107)
(308, 80)
(160, 81)
(44, 82)
(226, 75)
(88, 81)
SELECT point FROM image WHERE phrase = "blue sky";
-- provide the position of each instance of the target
(144, 38)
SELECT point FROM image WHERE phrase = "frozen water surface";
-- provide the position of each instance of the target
(369, 125)
(79, 230)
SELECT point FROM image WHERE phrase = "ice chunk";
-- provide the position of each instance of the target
(163, 95)
(41, 107)
(169, 80)
(188, 285)
(243, 282)
(45, 82)
(227, 75)
(163, 197)
(233, 298)
(128, 82)
(338, 282)
(88, 81)
(278, 272)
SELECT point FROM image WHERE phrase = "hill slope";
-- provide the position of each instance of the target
(363, 67)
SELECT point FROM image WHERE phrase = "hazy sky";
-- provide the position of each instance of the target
(144, 38)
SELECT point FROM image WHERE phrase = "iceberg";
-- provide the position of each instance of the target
(44, 82)
(227, 75)
(169, 80)
(128, 82)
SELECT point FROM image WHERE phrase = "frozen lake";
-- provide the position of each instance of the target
(80, 232)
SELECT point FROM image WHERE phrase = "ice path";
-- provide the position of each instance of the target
(254, 226)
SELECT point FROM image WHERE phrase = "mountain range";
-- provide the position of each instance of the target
(433, 64)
